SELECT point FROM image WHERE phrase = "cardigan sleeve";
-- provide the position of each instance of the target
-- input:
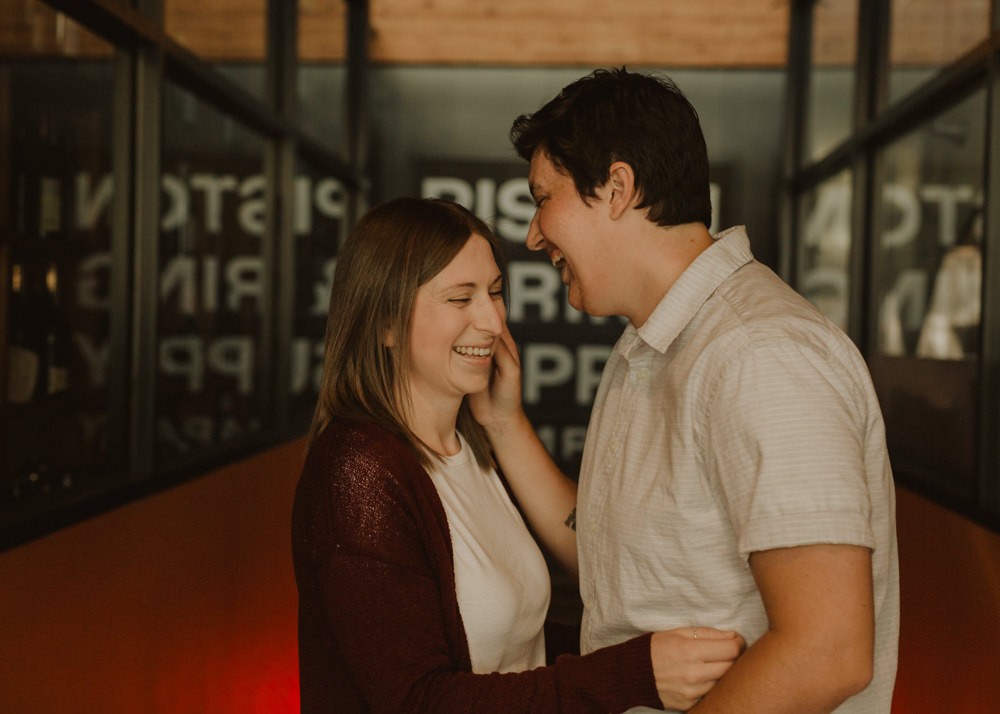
(380, 563)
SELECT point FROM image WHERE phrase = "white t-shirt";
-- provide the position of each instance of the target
(501, 578)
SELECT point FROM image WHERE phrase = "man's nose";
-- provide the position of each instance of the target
(535, 239)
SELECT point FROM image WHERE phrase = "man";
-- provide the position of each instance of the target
(735, 472)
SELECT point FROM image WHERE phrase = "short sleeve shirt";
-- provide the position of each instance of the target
(736, 419)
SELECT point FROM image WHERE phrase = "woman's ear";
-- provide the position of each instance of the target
(389, 339)
(621, 189)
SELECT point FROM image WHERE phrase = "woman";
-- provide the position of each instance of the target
(420, 587)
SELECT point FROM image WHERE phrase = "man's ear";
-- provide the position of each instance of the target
(622, 194)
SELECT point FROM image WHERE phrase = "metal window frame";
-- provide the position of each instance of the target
(876, 125)
(145, 59)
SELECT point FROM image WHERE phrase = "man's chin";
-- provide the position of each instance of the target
(575, 301)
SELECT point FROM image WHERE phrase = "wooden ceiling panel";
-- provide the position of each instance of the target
(529, 10)
(835, 28)
(666, 33)
(30, 29)
(228, 30)
(322, 28)
(933, 33)
(680, 33)
(708, 33)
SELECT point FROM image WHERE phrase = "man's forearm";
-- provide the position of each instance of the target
(818, 649)
(775, 677)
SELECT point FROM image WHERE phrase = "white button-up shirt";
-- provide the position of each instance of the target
(736, 419)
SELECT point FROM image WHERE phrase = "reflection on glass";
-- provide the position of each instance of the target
(212, 226)
(825, 248)
(231, 36)
(322, 75)
(929, 284)
(950, 329)
(927, 293)
(318, 217)
(926, 35)
(831, 81)
(55, 192)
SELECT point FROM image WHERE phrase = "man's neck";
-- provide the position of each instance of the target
(660, 255)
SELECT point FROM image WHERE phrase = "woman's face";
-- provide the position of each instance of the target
(457, 319)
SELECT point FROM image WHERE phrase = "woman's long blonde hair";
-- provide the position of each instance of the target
(395, 248)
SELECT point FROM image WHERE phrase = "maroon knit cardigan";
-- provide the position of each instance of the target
(379, 624)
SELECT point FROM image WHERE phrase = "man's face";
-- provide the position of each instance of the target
(567, 229)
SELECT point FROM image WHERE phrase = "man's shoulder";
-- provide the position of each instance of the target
(757, 299)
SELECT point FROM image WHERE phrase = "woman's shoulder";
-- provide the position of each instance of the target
(345, 432)
(360, 448)
(360, 490)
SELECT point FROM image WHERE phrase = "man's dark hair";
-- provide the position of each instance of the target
(617, 115)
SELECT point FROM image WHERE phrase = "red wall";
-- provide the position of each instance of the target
(949, 642)
(185, 603)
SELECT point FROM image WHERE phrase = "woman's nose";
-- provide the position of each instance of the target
(491, 316)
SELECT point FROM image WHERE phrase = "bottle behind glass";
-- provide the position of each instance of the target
(56, 344)
(23, 348)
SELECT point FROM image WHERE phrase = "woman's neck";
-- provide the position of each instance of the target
(434, 423)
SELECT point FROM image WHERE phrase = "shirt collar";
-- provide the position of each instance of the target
(729, 252)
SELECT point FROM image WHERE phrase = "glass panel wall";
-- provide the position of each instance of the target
(899, 222)
(928, 34)
(29, 28)
(230, 35)
(929, 281)
(928, 287)
(145, 255)
(322, 74)
(464, 114)
(831, 78)
(825, 248)
(55, 189)
(318, 217)
(209, 386)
